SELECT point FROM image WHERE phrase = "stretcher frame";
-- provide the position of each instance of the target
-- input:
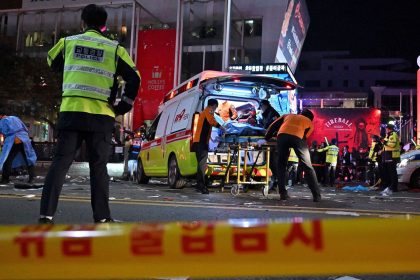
(242, 177)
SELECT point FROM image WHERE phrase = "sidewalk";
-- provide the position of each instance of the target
(80, 168)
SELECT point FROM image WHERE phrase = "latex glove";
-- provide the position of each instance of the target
(261, 142)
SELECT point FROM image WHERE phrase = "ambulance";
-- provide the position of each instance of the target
(167, 150)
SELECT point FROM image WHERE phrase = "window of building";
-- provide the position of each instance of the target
(346, 67)
(253, 27)
(361, 83)
(313, 83)
(329, 83)
(330, 68)
(345, 83)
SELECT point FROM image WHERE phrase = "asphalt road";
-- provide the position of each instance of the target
(131, 202)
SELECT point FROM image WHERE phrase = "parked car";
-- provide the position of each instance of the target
(409, 169)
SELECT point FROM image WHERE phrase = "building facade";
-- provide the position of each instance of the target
(209, 35)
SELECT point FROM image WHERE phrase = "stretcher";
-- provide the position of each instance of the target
(239, 163)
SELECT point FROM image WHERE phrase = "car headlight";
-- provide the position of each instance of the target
(404, 162)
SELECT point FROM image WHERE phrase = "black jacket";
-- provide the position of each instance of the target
(268, 117)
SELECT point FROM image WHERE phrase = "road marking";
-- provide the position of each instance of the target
(257, 207)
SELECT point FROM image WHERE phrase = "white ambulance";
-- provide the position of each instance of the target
(167, 149)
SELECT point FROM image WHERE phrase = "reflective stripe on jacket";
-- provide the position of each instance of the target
(372, 153)
(392, 144)
(296, 125)
(332, 153)
(89, 68)
(292, 156)
(206, 121)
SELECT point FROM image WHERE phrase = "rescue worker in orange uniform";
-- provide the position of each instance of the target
(227, 111)
(292, 131)
(201, 139)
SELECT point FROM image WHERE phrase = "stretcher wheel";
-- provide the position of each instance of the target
(265, 190)
(234, 190)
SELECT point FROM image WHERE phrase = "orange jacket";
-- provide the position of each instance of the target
(206, 121)
(296, 125)
(227, 111)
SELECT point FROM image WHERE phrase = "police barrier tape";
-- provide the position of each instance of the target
(200, 249)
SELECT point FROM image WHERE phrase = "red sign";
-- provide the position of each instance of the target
(353, 127)
(155, 61)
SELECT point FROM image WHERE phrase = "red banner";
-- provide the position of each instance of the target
(155, 61)
(353, 127)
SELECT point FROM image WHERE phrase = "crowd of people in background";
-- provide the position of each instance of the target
(343, 165)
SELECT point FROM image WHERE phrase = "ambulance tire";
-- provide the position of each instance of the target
(175, 181)
(140, 176)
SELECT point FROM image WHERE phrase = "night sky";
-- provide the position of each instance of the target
(368, 28)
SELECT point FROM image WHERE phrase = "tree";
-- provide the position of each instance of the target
(28, 88)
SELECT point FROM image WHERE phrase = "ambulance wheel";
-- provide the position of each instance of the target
(174, 175)
(265, 190)
(140, 176)
(234, 190)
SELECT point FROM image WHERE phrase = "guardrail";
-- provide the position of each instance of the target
(233, 248)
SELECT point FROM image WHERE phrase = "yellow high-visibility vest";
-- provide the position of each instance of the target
(292, 156)
(90, 62)
(332, 153)
(392, 144)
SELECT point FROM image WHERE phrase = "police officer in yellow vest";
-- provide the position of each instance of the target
(375, 160)
(91, 64)
(330, 161)
(390, 158)
(292, 167)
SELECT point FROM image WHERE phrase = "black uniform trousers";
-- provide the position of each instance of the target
(284, 143)
(7, 167)
(201, 153)
(390, 175)
(69, 142)
(329, 172)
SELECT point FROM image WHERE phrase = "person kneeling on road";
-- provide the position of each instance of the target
(201, 138)
(292, 131)
(17, 142)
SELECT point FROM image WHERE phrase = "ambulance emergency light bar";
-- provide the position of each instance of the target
(277, 70)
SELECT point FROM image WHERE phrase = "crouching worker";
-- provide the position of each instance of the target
(17, 141)
(292, 131)
(201, 139)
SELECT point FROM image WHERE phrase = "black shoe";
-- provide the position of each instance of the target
(107, 220)
(45, 221)
(204, 190)
(4, 181)
(284, 196)
(317, 198)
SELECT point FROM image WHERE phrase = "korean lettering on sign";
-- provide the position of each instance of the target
(87, 53)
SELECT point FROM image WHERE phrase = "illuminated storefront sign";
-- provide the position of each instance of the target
(293, 33)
